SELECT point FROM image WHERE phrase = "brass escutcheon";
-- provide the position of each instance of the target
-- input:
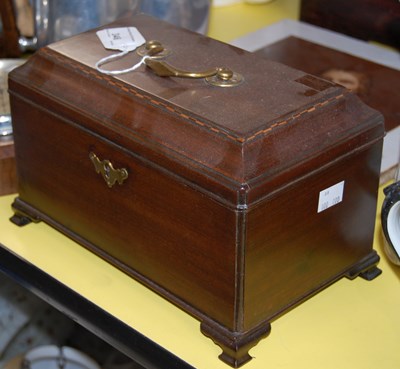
(108, 172)
(154, 49)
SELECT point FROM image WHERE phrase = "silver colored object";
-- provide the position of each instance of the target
(5, 125)
(27, 322)
(55, 20)
(6, 66)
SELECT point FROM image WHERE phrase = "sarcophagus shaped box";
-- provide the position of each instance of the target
(236, 196)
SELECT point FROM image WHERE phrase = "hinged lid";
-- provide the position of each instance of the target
(277, 121)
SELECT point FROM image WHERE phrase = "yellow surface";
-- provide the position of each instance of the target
(350, 325)
(230, 22)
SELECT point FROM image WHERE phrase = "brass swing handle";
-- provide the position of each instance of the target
(222, 76)
(163, 69)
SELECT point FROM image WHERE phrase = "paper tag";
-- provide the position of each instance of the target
(122, 39)
(330, 196)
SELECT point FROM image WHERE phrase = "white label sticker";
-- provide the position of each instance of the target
(330, 196)
(123, 38)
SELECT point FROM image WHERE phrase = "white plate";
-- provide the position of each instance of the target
(53, 357)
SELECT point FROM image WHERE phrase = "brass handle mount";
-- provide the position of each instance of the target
(220, 76)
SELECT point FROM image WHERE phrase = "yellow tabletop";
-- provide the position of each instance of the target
(230, 22)
(350, 325)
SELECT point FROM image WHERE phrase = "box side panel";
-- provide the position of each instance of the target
(293, 250)
(154, 225)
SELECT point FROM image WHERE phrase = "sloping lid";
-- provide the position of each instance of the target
(268, 91)
(277, 117)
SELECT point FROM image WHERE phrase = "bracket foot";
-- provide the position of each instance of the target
(235, 345)
(366, 268)
(22, 216)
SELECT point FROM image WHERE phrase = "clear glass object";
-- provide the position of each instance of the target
(55, 20)
(6, 66)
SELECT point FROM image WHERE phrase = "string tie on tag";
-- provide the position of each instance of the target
(113, 57)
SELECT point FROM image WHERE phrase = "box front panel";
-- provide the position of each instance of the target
(307, 235)
(153, 225)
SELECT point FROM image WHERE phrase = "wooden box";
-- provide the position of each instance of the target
(370, 20)
(235, 203)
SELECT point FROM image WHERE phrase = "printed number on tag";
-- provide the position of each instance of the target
(122, 38)
(330, 196)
